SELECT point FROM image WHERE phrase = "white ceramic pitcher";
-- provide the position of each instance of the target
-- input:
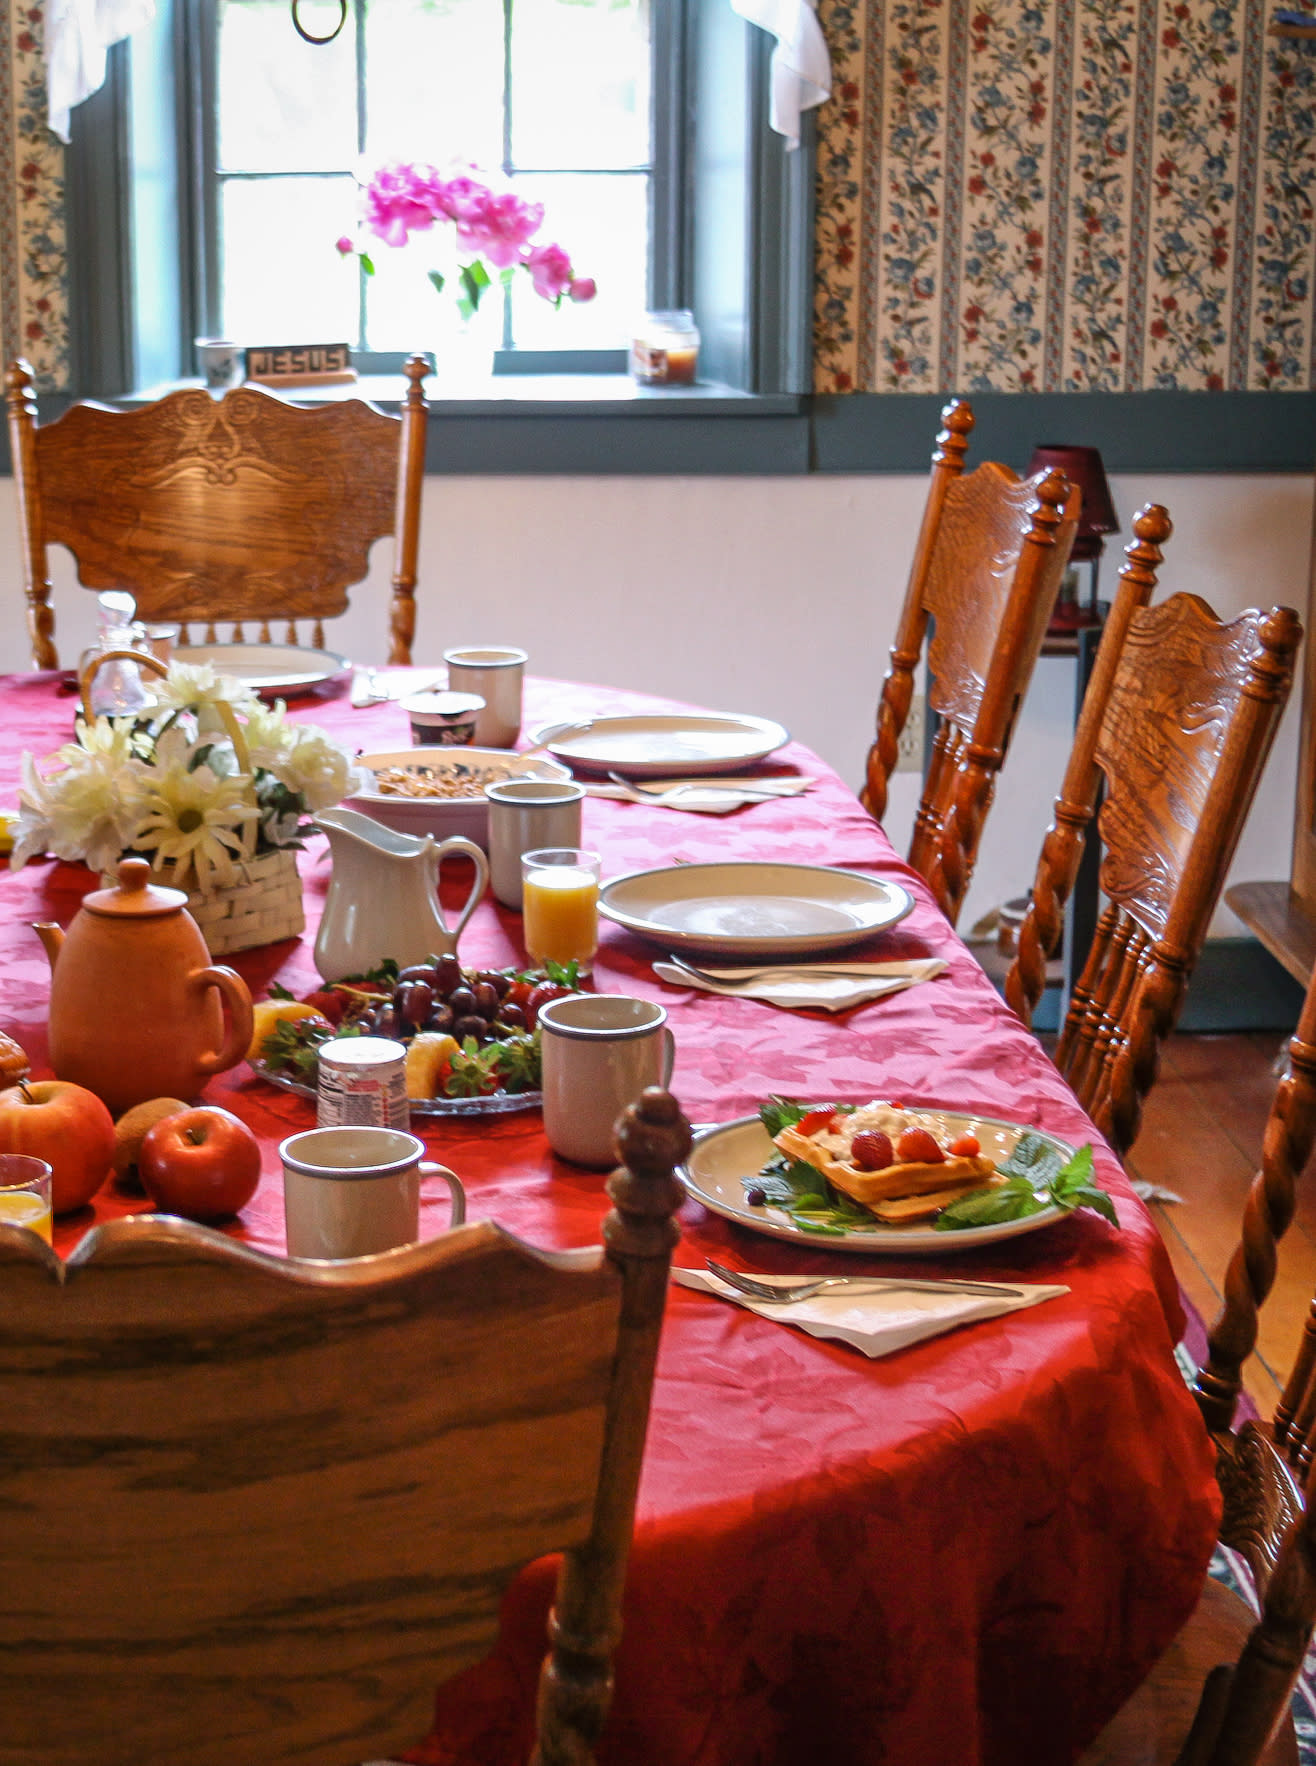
(383, 897)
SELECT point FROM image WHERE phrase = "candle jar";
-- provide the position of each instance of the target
(666, 349)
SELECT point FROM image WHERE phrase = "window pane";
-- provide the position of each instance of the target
(283, 282)
(434, 81)
(284, 104)
(580, 83)
(602, 223)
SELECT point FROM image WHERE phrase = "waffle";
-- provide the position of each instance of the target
(947, 1179)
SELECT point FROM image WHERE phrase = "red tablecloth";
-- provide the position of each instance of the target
(970, 1551)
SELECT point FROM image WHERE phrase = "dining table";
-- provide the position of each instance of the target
(970, 1550)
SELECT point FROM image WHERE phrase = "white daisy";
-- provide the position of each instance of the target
(193, 815)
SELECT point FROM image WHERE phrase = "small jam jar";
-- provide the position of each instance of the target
(666, 349)
(442, 720)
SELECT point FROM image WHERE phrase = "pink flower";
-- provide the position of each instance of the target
(550, 270)
(500, 227)
(583, 288)
(402, 199)
(344, 246)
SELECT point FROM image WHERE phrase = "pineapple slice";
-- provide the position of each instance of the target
(427, 1051)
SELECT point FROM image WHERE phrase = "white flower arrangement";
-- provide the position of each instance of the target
(207, 777)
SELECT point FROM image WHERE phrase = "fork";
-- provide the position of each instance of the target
(784, 1294)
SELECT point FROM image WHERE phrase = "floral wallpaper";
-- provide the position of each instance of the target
(1013, 195)
(33, 262)
(1021, 195)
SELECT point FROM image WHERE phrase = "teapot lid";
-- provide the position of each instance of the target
(135, 897)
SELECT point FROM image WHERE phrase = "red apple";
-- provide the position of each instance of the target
(203, 1164)
(67, 1126)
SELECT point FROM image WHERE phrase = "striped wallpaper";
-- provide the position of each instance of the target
(1023, 195)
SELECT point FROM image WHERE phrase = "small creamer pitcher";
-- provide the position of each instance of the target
(383, 897)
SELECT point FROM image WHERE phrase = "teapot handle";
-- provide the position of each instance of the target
(458, 843)
(233, 993)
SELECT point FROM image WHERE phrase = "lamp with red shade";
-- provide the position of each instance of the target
(1081, 466)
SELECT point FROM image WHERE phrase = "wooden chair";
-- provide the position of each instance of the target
(256, 1509)
(987, 568)
(1177, 722)
(242, 508)
(1267, 1517)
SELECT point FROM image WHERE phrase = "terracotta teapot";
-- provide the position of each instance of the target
(136, 1006)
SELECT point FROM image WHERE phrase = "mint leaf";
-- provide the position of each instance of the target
(779, 1113)
(1012, 1200)
(1036, 1159)
(1040, 1178)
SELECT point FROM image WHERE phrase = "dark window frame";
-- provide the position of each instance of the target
(732, 217)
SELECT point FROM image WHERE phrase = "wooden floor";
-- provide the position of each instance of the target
(1201, 1137)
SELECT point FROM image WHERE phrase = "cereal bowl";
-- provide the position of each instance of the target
(440, 791)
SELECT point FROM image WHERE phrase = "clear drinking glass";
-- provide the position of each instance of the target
(25, 1194)
(560, 902)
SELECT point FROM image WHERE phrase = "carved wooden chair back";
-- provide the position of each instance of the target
(256, 1509)
(242, 509)
(1268, 1483)
(1177, 723)
(990, 555)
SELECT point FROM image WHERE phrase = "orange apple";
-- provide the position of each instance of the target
(202, 1163)
(67, 1126)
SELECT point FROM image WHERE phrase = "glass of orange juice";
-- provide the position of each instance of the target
(25, 1193)
(560, 901)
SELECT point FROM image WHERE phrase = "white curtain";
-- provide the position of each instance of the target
(801, 71)
(78, 32)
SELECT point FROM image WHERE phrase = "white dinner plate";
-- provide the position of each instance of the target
(754, 909)
(473, 768)
(721, 1156)
(275, 671)
(689, 743)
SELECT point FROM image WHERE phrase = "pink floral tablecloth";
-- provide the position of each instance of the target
(968, 1552)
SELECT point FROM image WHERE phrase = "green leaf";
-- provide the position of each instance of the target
(819, 1226)
(438, 279)
(1035, 1158)
(779, 1113)
(1008, 1201)
(564, 974)
(367, 263)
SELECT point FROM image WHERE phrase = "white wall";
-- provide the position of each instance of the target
(776, 596)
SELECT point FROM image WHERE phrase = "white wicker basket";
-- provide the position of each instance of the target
(264, 904)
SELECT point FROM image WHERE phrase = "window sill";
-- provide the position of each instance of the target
(589, 424)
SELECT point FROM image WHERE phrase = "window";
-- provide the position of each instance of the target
(554, 94)
(162, 183)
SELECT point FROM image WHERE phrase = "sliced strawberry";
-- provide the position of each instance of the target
(968, 1146)
(917, 1147)
(817, 1120)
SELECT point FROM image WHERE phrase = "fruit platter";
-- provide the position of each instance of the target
(471, 1035)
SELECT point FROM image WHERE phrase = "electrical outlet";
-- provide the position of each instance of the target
(910, 758)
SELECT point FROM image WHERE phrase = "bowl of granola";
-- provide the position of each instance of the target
(440, 791)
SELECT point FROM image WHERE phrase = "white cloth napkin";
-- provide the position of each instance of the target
(801, 71)
(709, 797)
(78, 32)
(874, 1323)
(813, 988)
